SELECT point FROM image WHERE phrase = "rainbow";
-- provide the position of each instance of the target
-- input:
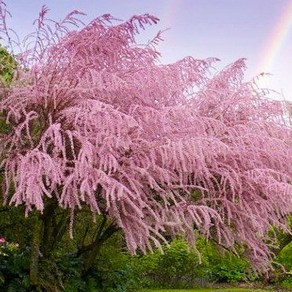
(275, 42)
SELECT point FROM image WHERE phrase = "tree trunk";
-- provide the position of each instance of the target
(90, 252)
(54, 228)
(35, 251)
(91, 257)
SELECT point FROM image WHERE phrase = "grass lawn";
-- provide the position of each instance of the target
(208, 290)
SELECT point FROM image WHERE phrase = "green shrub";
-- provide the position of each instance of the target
(116, 271)
(14, 265)
(7, 66)
(113, 271)
(226, 267)
(229, 269)
(177, 267)
(285, 257)
(287, 283)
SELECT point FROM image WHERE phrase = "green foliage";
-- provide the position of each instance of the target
(229, 269)
(14, 268)
(113, 268)
(70, 267)
(285, 257)
(287, 283)
(226, 267)
(112, 271)
(7, 67)
(13, 225)
(177, 267)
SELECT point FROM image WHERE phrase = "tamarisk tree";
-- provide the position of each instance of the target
(96, 120)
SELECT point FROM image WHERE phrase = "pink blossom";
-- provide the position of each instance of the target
(160, 149)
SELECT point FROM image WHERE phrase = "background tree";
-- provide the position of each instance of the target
(7, 66)
(154, 150)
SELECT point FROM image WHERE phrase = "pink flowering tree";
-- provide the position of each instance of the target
(155, 150)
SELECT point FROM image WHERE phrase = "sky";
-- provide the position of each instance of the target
(259, 30)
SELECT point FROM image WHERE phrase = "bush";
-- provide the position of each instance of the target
(114, 271)
(177, 267)
(14, 267)
(287, 283)
(229, 269)
(226, 267)
(285, 257)
(111, 273)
